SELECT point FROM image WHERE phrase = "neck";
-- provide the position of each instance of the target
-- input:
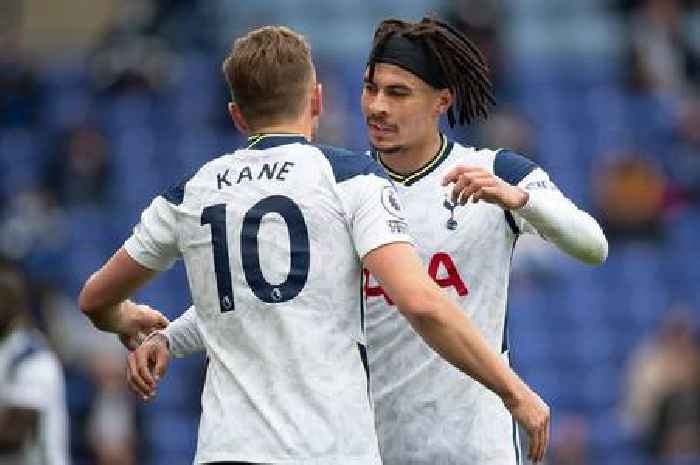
(290, 128)
(409, 159)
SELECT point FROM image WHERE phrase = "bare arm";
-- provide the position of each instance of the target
(103, 298)
(442, 324)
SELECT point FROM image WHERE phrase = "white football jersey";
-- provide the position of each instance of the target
(31, 377)
(427, 411)
(272, 237)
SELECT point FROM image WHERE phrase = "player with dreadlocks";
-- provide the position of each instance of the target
(427, 412)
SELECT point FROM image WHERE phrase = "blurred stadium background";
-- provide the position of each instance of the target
(104, 103)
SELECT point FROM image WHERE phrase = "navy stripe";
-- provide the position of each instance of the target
(176, 193)
(505, 341)
(365, 363)
(362, 303)
(346, 164)
(515, 443)
(512, 167)
(511, 222)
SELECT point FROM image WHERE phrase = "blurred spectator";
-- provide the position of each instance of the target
(683, 161)
(111, 425)
(662, 60)
(80, 173)
(667, 363)
(631, 193)
(33, 417)
(675, 434)
(130, 58)
(20, 90)
(570, 441)
(509, 129)
(482, 21)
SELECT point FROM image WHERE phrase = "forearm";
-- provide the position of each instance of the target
(183, 335)
(104, 297)
(110, 318)
(559, 221)
(452, 335)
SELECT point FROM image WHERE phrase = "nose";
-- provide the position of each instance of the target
(377, 105)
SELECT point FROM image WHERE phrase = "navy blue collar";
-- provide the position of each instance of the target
(266, 141)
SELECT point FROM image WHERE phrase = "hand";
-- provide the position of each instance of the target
(147, 365)
(532, 413)
(139, 321)
(479, 184)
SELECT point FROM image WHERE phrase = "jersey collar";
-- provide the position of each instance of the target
(423, 171)
(266, 141)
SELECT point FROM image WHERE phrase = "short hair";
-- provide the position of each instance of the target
(268, 72)
(462, 63)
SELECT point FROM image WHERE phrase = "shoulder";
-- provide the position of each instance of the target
(347, 164)
(512, 167)
(175, 194)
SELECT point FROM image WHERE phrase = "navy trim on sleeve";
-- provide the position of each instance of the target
(512, 167)
(346, 164)
(175, 194)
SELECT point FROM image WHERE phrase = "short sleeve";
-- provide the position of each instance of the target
(371, 203)
(375, 212)
(153, 243)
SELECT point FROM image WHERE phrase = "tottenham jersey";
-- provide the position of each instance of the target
(428, 412)
(272, 236)
(31, 378)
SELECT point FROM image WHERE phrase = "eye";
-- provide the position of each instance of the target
(398, 92)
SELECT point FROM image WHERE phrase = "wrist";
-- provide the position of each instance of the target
(122, 318)
(520, 198)
(514, 395)
(158, 337)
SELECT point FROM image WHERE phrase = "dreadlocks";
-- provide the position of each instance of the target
(462, 67)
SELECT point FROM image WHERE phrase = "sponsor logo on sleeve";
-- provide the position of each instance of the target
(390, 201)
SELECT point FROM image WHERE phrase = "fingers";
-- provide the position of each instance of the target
(539, 436)
(161, 363)
(457, 171)
(143, 356)
(134, 380)
(473, 185)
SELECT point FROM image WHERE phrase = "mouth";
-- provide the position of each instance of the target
(380, 129)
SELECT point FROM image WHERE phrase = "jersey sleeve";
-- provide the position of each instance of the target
(184, 337)
(549, 213)
(153, 243)
(557, 219)
(374, 213)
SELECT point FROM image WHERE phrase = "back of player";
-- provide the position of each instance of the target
(272, 237)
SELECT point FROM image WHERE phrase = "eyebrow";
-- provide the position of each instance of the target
(390, 86)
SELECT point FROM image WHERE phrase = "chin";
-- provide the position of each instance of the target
(387, 149)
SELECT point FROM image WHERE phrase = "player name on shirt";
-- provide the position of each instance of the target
(272, 171)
